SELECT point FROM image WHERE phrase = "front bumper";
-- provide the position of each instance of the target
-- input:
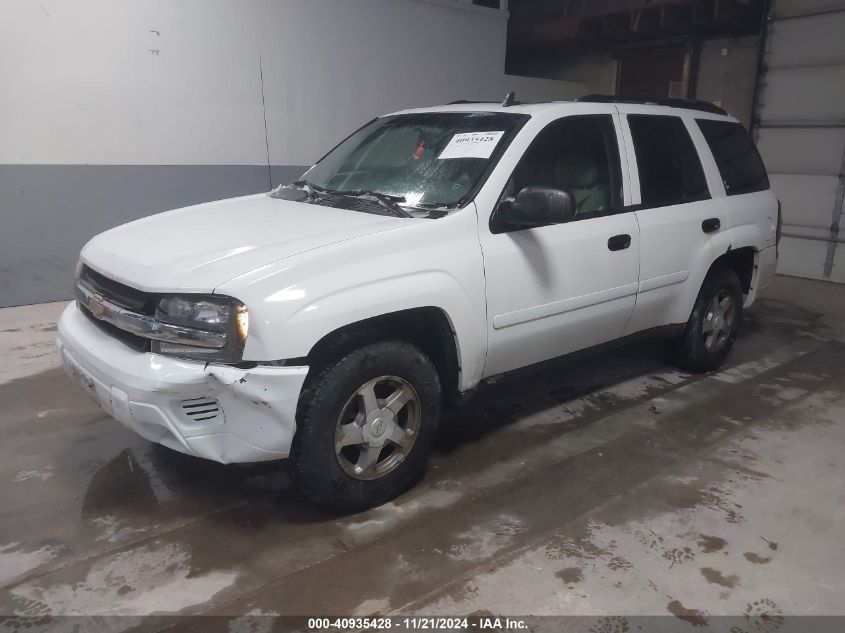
(248, 415)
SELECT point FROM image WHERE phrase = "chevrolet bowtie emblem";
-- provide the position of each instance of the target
(96, 308)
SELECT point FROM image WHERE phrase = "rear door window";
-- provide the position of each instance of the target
(669, 167)
(738, 160)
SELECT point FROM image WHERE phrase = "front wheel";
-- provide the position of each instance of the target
(712, 327)
(366, 424)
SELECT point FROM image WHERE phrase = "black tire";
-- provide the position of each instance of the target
(691, 351)
(319, 470)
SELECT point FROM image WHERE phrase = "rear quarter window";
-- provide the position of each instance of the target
(739, 162)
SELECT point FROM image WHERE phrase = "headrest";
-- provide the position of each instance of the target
(576, 171)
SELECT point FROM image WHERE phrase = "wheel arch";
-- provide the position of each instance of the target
(742, 261)
(428, 328)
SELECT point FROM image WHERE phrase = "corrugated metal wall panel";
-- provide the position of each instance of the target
(808, 94)
(784, 8)
(805, 151)
(789, 46)
(801, 132)
(802, 258)
(806, 201)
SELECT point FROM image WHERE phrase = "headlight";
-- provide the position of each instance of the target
(204, 314)
(211, 314)
(242, 321)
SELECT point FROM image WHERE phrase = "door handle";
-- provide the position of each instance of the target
(711, 225)
(619, 242)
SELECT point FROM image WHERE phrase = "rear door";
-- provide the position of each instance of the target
(681, 225)
(751, 205)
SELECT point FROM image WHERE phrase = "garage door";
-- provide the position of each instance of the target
(801, 133)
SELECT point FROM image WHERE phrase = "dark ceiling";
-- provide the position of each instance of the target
(540, 30)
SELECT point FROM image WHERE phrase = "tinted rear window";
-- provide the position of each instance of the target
(739, 162)
(670, 171)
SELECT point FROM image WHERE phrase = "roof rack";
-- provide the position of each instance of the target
(686, 104)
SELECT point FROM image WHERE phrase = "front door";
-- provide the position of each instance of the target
(556, 289)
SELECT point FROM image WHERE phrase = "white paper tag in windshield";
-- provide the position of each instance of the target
(471, 145)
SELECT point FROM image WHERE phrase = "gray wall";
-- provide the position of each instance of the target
(115, 109)
(596, 71)
(50, 211)
(727, 68)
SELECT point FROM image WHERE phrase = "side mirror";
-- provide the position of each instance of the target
(536, 206)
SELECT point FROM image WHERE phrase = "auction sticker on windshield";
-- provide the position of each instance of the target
(471, 145)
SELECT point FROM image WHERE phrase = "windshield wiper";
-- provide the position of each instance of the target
(310, 188)
(385, 200)
(375, 194)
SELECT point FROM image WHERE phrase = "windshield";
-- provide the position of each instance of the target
(428, 159)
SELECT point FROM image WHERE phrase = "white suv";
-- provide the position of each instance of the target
(331, 319)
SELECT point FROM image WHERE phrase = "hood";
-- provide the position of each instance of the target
(197, 248)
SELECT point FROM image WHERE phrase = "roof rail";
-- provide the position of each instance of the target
(686, 104)
(510, 100)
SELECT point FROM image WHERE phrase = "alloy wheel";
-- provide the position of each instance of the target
(377, 427)
(718, 322)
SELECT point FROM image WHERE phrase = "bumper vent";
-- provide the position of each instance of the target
(202, 410)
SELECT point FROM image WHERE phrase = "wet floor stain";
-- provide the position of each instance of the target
(715, 577)
(41, 475)
(570, 575)
(710, 544)
(751, 557)
(482, 541)
(686, 496)
(693, 616)
(148, 579)
(16, 560)
(561, 548)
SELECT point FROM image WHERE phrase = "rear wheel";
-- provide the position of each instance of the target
(712, 327)
(366, 424)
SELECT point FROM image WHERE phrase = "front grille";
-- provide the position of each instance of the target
(125, 297)
(117, 293)
(138, 343)
(202, 410)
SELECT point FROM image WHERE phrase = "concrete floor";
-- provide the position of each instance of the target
(613, 486)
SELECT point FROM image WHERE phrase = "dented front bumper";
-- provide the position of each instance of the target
(217, 412)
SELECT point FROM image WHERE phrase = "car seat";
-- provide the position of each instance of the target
(579, 175)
